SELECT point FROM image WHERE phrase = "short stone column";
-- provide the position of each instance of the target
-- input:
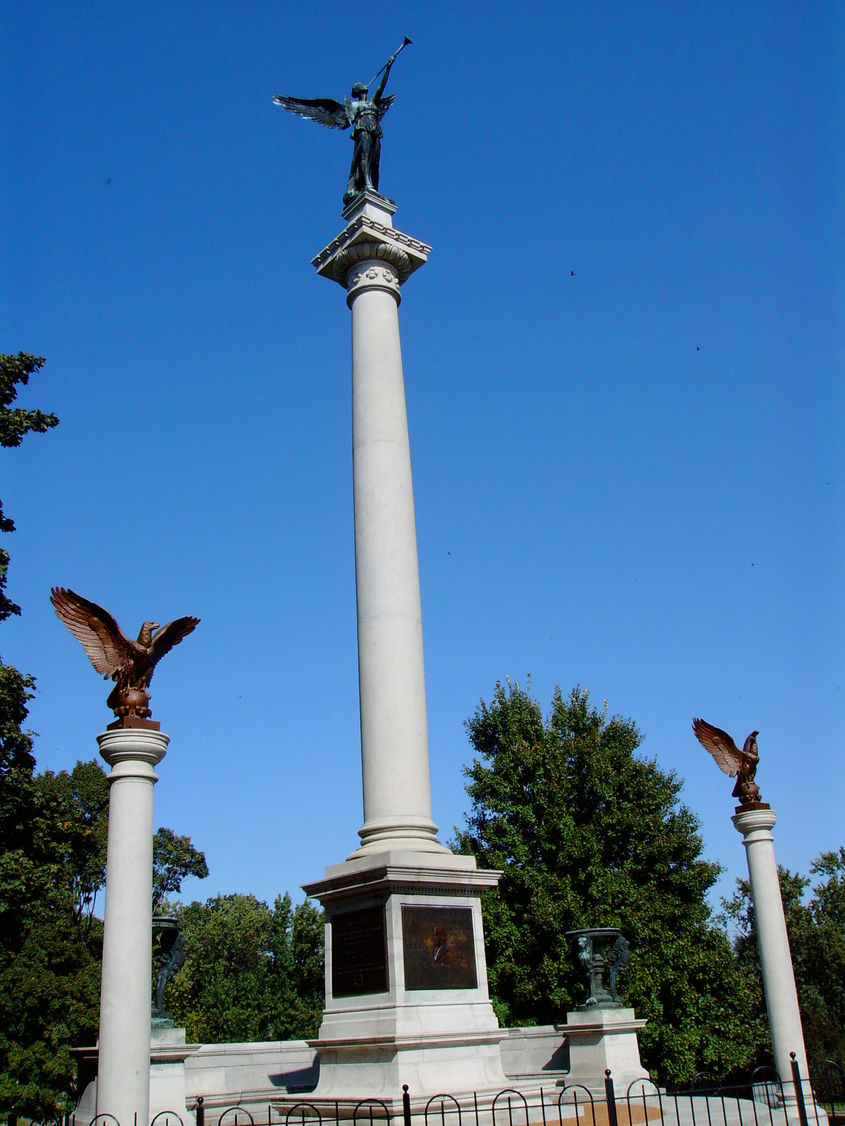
(755, 824)
(123, 1074)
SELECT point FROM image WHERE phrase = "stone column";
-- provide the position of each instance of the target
(371, 260)
(756, 825)
(123, 1075)
(394, 1014)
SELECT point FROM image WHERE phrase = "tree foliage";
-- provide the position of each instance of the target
(589, 834)
(45, 965)
(174, 859)
(250, 972)
(15, 424)
(815, 923)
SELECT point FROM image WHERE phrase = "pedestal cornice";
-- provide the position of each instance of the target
(389, 878)
(366, 238)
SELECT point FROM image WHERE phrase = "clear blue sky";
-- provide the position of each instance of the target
(630, 479)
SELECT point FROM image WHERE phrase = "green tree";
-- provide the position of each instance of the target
(79, 804)
(297, 977)
(22, 878)
(589, 834)
(815, 923)
(48, 967)
(174, 859)
(15, 424)
(250, 973)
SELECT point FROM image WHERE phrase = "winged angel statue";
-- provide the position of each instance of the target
(741, 764)
(360, 111)
(128, 663)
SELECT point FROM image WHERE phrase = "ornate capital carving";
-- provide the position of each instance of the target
(374, 272)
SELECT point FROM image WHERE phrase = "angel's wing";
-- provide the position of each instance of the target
(325, 111)
(165, 638)
(721, 746)
(101, 637)
(384, 104)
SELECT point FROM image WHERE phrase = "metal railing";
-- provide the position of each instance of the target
(765, 1099)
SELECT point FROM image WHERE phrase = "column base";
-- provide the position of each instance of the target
(399, 834)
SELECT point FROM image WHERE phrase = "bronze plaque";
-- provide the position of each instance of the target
(359, 953)
(439, 948)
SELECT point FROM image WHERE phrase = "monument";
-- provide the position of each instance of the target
(132, 745)
(406, 980)
(755, 819)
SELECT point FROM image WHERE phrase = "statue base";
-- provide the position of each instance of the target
(355, 203)
(134, 721)
(744, 806)
(601, 1038)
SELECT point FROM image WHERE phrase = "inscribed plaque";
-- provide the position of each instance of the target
(359, 953)
(438, 947)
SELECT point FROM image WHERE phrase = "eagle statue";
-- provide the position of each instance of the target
(130, 664)
(741, 764)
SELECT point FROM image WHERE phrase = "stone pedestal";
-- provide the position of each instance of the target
(604, 1038)
(168, 1053)
(406, 980)
(168, 1083)
(123, 1077)
(756, 824)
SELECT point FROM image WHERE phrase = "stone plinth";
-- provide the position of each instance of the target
(123, 1077)
(601, 1038)
(406, 978)
(167, 1072)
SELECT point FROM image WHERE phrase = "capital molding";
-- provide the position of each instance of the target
(368, 239)
(757, 821)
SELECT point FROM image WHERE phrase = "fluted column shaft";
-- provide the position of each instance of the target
(123, 1073)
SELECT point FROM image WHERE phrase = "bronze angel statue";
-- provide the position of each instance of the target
(130, 664)
(741, 764)
(360, 111)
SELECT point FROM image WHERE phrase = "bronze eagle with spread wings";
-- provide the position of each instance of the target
(130, 664)
(360, 112)
(741, 764)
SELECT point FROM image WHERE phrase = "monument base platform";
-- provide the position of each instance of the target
(406, 977)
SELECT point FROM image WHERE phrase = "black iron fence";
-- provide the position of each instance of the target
(764, 1099)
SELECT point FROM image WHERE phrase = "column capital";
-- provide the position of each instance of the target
(125, 745)
(755, 824)
(370, 236)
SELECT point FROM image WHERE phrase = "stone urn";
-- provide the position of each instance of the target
(603, 953)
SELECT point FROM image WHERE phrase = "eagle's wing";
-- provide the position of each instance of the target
(384, 105)
(325, 111)
(721, 746)
(100, 635)
(165, 638)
